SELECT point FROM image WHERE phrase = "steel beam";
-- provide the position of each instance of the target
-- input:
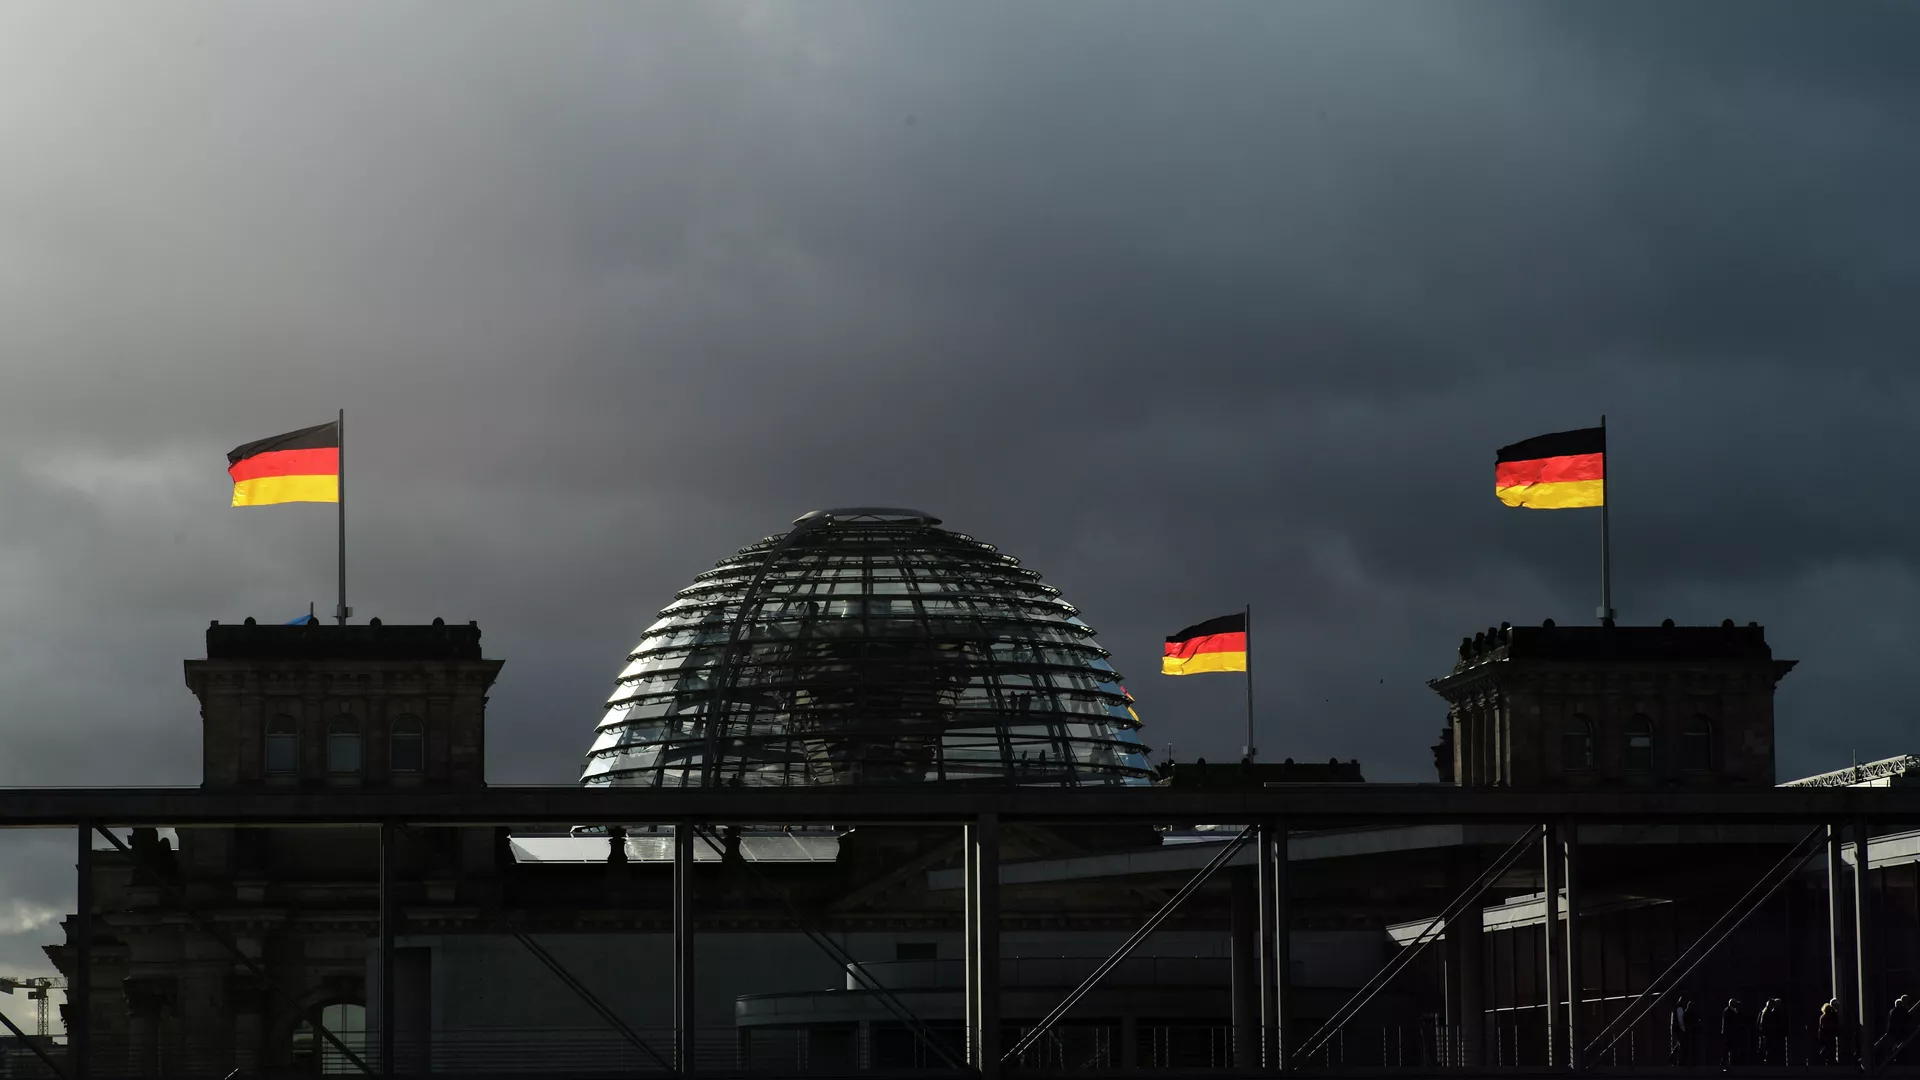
(1303, 805)
(1862, 943)
(1736, 916)
(1127, 947)
(1836, 928)
(724, 671)
(1245, 953)
(389, 912)
(1410, 953)
(33, 1044)
(684, 1018)
(1470, 925)
(1276, 963)
(983, 945)
(1576, 989)
(547, 960)
(1553, 955)
(80, 981)
(842, 958)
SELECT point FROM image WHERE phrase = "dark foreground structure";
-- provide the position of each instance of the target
(921, 836)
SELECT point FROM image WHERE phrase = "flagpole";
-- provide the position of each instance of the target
(340, 436)
(1252, 751)
(1606, 538)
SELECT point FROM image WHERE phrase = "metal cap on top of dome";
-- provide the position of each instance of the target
(869, 513)
(867, 646)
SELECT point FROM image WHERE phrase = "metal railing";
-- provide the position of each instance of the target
(1097, 1047)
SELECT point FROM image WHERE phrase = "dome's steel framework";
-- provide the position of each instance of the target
(868, 646)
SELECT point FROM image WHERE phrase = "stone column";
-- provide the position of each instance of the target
(145, 997)
(248, 1025)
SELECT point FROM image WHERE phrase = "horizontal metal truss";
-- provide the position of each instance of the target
(1305, 806)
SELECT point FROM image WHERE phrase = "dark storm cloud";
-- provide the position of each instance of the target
(1188, 309)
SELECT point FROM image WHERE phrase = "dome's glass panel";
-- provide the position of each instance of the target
(868, 647)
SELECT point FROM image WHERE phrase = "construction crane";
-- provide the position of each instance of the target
(36, 989)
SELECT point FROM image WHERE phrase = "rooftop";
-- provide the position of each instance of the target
(315, 640)
(1666, 643)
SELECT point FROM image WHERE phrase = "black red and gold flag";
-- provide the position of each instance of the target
(300, 466)
(1560, 471)
(1215, 645)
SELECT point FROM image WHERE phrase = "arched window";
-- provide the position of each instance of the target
(1696, 745)
(343, 745)
(283, 746)
(406, 746)
(312, 1054)
(1639, 745)
(1576, 744)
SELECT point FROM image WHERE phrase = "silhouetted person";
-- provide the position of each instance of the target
(1826, 1034)
(1773, 1032)
(1733, 1035)
(1899, 1025)
(1680, 1032)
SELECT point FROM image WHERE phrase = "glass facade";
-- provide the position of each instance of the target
(868, 646)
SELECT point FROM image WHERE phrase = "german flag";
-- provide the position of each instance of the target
(300, 466)
(1215, 645)
(1554, 472)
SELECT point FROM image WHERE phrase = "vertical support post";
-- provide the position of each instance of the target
(1245, 926)
(1276, 963)
(80, 981)
(970, 934)
(1836, 924)
(1450, 1018)
(1862, 944)
(683, 971)
(1576, 992)
(983, 944)
(1473, 1007)
(1554, 951)
(1454, 1019)
(389, 1009)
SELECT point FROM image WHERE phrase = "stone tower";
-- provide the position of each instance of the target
(369, 705)
(1611, 706)
(288, 708)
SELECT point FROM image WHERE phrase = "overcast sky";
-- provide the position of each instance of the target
(1187, 305)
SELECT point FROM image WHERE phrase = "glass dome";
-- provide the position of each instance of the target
(868, 646)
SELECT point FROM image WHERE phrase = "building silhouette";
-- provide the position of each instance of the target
(873, 647)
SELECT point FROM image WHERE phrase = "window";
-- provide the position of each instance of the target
(1639, 745)
(311, 1054)
(283, 746)
(1696, 745)
(407, 754)
(1576, 744)
(343, 745)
